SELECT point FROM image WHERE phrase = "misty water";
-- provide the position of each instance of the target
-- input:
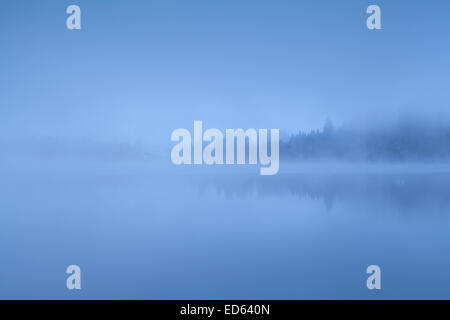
(145, 232)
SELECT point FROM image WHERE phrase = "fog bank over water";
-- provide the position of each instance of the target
(406, 139)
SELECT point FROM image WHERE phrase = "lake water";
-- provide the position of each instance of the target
(139, 232)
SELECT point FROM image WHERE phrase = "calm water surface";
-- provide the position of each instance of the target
(166, 234)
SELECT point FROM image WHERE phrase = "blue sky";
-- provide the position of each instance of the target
(139, 69)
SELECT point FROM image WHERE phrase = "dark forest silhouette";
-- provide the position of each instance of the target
(405, 140)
